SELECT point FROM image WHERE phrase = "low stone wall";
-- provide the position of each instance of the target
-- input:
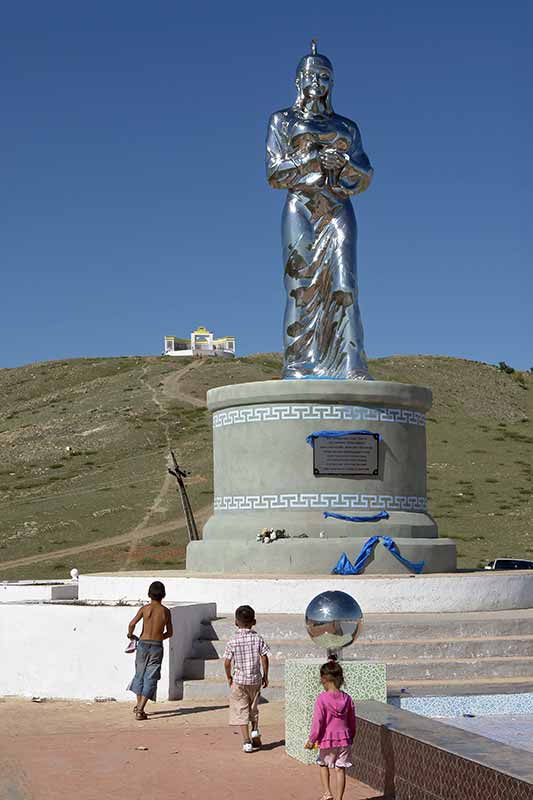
(19, 591)
(76, 651)
(478, 591)
(408, 757)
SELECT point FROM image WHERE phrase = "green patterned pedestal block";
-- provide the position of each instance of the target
(362, 680)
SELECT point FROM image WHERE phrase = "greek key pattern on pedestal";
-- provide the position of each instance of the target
(367, 502)
(313, 411)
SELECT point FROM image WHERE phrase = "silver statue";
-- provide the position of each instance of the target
(318, 156)
(334, 620)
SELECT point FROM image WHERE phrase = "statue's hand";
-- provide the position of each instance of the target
(331, 159)
(307, 161)
(306, 155)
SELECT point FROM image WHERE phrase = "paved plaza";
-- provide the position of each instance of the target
(515, 730)
(88, 750)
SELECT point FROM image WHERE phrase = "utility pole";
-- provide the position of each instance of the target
(180, 474)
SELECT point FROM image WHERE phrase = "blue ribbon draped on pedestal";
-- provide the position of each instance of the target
(346, 518)
(345, 567)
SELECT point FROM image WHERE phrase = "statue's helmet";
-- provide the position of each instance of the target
(314, 60)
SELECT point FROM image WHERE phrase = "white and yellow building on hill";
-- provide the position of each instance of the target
(201, 343)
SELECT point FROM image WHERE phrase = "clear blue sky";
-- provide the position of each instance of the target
(133, 198)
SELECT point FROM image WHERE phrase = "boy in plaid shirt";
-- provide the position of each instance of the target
(247, 653)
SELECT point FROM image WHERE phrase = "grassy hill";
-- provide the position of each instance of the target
(84, 445)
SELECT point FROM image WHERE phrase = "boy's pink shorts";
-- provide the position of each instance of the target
(334, 757)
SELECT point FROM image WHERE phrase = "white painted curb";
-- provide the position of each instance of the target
(483, 591)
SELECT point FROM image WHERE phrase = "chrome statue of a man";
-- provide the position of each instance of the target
(318, 156)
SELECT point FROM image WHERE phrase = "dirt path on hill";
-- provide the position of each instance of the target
(172, 390)
(123, 538)
(158, 504)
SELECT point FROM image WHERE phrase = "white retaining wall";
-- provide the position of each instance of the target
(76, 651)
(19, 591)
(482, 591)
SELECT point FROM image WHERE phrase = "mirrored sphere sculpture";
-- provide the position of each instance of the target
(333, 620)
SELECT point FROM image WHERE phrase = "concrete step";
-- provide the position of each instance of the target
(472, 686)
(425, 654)
(215, 689)
(400, 669)
(459, 669)
(211, 689)
(390, 650)
(383, 627)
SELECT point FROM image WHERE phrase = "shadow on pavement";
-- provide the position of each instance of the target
(180, 712)
(273, 745)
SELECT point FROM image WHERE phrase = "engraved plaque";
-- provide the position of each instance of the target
(356, 454)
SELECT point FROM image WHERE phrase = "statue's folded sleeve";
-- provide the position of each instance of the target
(286, 168)
(357, 174)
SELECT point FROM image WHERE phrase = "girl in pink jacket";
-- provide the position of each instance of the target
(333, 729)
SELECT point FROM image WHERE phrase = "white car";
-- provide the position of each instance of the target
(510, 563)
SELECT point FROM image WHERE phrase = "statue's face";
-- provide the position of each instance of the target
(315, 82)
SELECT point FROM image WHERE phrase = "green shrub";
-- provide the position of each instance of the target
(503, 367)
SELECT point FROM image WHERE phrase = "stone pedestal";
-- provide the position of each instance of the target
(362, 681)
(264, 478)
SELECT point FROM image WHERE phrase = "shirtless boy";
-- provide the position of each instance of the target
(157, 626)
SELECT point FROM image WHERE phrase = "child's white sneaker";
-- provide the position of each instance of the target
(247, 747)
(256, 739)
